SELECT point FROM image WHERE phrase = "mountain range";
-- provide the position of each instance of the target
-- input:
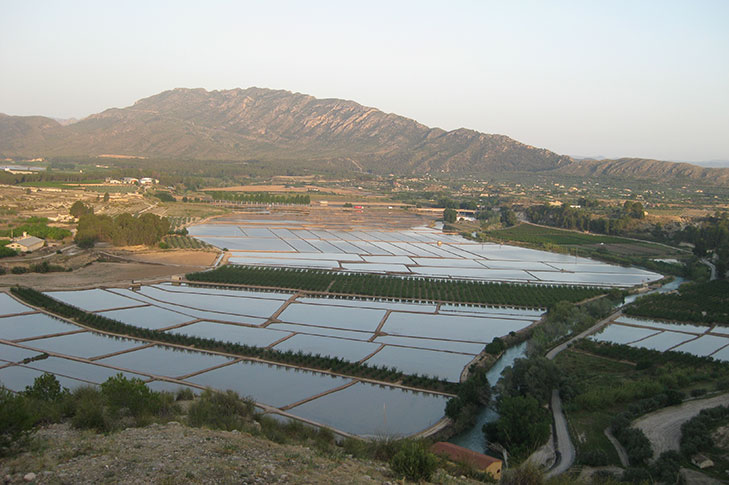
(276, 125)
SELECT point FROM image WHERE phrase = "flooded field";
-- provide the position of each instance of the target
(694, 339)
(413, 338)
(417, 251)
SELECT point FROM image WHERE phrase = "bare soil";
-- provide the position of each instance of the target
(97, 274)
(171, 257)
(663, 428)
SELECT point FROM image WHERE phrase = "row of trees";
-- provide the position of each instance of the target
(419, 289)
(299, 358)
(261, 197)
(710, 235)
(122, 230)
(568, 217)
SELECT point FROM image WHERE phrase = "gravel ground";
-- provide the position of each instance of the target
(172, 453)
(663, 428)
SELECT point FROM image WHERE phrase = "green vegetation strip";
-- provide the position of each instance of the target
(260, 197)
(697, 302)
(333, 364)
(473, 292)
(529, 233)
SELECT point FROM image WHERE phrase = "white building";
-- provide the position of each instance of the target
(26, 243)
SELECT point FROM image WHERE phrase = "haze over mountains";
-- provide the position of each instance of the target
(264, 124)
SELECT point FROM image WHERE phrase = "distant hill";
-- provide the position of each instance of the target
(642, 168)
(284, 127)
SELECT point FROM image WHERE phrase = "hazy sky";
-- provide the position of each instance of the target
(614, 78)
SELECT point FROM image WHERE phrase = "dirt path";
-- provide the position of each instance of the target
(622, 454)
(565, 449)
(663, 428)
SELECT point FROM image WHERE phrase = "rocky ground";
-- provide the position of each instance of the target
(173, 453)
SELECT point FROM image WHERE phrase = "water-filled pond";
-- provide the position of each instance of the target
(621, 334)
(375, 411)
(78, 370)
(86, 344)
(256, 337)
(165, 361)
(663, 341)
(365, 319)
(451, 327)
(9, 305)
(704, 345)
(93, 300)
(10, 353)
(679, 327)
(151, 317)
(17, 378)
(442, 365)
(268, 384)
(322, 331)
(432, 344)
(351, 350)
(34, 325)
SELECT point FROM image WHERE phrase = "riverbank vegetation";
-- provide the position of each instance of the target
(301, 359)
(473, 292)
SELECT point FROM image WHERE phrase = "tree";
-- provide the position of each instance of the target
(79, 209)
(522, 426)
(508, 217)
(106, 196)
(450, 215)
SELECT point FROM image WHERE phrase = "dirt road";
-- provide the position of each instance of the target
(663, 428)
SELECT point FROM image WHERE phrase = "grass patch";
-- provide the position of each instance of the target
(529, 233)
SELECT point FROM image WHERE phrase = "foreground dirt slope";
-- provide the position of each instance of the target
(173, 453)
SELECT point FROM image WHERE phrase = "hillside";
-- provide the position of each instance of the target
(290, 129)
(174, 453)
(645, 168)
(272, 125)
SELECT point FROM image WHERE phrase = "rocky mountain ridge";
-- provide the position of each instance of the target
(320, 134)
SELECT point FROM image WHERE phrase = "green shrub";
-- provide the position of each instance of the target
(45, 388)
(19, 270)
(130, 395)
(16, 420)
(414, 461)
(220, 410)
(89, 411)
(595, 457)
(527, 474)
(184, 394)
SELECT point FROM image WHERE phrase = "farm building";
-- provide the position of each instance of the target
(26, 243)
(484, 463)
